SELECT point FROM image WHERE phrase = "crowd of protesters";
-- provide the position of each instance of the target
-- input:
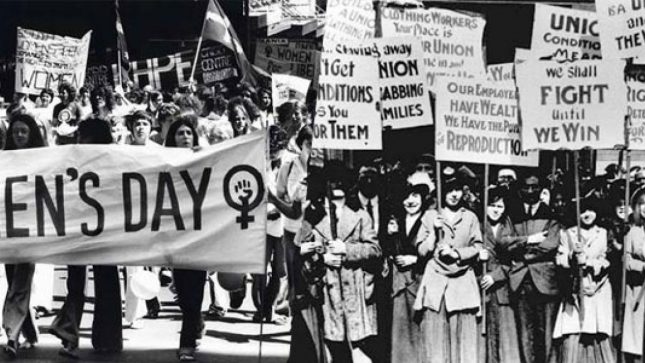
(387, 262)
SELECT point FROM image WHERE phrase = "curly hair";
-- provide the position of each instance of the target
(185, 119)
(35, 137)
(106, 94)
(71, 91)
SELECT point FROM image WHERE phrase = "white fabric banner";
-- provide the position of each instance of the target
(285, 87)
(572, 105)
(134, 205)
(44, 60)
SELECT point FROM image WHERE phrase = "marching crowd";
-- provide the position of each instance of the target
(389, 262)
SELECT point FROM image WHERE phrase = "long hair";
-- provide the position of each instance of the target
(106, 94)
(186, 119)
(35, 137)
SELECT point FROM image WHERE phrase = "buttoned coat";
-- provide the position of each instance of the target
(357, 273)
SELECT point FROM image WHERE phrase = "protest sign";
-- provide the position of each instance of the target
(347, 117)
(521, 55)
(348, 21)
(572, 105)
(44, 60)
(97, 75)
(622, 27)
(504, 72)
(606, 157)
(452, 41)
(215, 64)
(135, 205)
(401, 74)
(635, 80)
(297, 58)
(285, 87)
(565, 34)
(477, 121)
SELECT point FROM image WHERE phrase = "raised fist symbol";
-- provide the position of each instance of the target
(243, 190)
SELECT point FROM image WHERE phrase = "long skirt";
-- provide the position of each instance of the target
(501, 332)
(449, 337)
(585, 348)
(406, 330)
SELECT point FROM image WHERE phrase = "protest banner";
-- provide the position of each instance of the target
(295, 57)
(216, 63)
(44, 60)
(285, 87)
(504, 72)
(572, 105)
(635, 81)
(477, 122)
(401, 74)
(347, 117)
(564, 34)
(348, 21)
(452, 41)
(622, 28)
(135, 205)
(97, 75)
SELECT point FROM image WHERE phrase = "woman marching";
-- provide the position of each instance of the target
(585, 318)
(501, 334)
(414, 230)
(449, 295)
(634, 317)
(17, 318)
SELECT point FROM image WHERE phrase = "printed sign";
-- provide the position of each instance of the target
(635, 80)
(565, 34)
(572, 105)
(347, 116)
(135, 205)
(477, 121)
(44, 60)
(452, 41)
(297, 58)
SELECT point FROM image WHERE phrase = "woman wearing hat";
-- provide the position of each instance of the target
(448, 297)
(585, 317)
(634, 318)
(501, 334)
(414, 230)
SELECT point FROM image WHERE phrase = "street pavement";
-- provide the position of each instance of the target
(234, 338)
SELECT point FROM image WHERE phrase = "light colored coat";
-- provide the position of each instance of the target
(597, 298)
(453, 282)
(356, 299)
(634, 320)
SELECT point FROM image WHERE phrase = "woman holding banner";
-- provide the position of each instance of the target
(107, 334)
(189, 283)
(501, 333)
(585, 317)
(413, 231)
(17, 317)
(448, 296)
(634, 316)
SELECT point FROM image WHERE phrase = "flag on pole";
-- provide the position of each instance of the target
(124, 57)
(218, 28)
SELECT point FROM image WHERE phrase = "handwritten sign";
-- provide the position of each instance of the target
(44, 60)
(452, 41)
(622, 27)
(504, 72)
(297, 58)
(346, 112)
(565, 34)
(345, 20)
(572, 105)
(477, 121)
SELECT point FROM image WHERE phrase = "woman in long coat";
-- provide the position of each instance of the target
(501, 342)
(585, 338)
(349, 309)
(634, 318)
(449, 294)
(414, 228)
